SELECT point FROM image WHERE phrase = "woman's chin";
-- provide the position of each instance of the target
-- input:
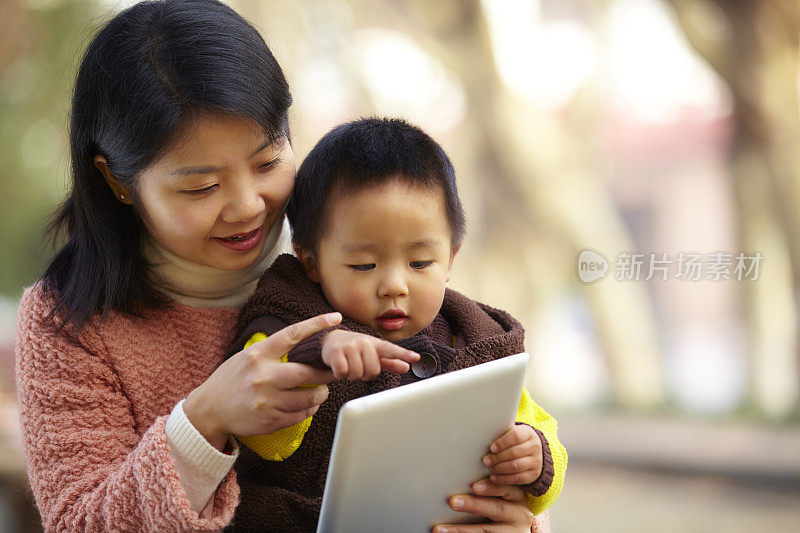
(232, 260)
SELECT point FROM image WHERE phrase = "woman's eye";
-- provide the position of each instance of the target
(269, 164)
(419, 265)
(199, 192)
(363, 268)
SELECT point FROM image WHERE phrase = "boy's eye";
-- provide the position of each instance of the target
(419, 265)
(363, 268)
(202, 191)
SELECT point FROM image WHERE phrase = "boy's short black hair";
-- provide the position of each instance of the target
(364, 153)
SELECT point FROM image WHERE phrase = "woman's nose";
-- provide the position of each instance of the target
(243, 203)
(393, 284)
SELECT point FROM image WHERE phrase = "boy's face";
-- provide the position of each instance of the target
(385, 258)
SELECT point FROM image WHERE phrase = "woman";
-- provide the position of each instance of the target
(181, 167)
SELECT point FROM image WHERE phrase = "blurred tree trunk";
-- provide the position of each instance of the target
(759, 58)
(527, 189)
(523, 195)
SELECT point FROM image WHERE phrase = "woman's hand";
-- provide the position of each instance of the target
(357, 356)
(505, 505)
(253, 393)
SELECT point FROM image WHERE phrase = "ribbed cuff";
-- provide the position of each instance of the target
(309, 350)
(541, 484)
(194, 448)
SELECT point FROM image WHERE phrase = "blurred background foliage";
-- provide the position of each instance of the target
(617, 126)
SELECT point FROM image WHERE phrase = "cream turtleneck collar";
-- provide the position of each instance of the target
(204, 286)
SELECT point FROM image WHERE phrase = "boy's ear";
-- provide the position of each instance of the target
(450, 265)
(309, 263)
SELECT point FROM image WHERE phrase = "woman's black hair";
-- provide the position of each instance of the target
(151, 71)
(366, 153)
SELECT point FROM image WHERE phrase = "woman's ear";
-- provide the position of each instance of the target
(309, 263)
(450, 265)
(120, 191)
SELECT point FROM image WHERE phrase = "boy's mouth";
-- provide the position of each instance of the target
(393, 319)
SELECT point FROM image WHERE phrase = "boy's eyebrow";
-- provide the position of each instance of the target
(365, 246)
(424, 243)
(356, 247)
(207, 169)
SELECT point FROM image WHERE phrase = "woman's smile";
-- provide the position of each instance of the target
(242, 242)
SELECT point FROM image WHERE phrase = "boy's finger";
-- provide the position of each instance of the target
(515, 466)
(512, 437)
(394, 366)
(529, 447)
(354, 365)
(339, 365)
(522, 478)
(284, 340)
(372, 366)
(392, 351)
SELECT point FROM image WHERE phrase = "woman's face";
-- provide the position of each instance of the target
(215, 195)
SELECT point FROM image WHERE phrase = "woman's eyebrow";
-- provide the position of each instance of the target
(189, 171)
(266, 143)
(207, 169)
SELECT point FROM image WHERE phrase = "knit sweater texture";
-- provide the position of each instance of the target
(286, 495)
(93, 409)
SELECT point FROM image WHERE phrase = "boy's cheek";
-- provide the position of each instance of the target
(350, 301)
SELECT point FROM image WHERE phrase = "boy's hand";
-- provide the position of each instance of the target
(516, 457)
(358, 356)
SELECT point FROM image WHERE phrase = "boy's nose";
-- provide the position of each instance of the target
(393, 285)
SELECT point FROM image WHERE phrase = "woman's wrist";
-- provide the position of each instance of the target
(201, 419)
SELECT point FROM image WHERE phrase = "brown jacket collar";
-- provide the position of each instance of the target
(286, 292)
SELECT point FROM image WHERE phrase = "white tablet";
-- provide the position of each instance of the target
(399, 454)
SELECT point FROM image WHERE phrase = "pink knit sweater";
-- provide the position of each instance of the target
(93, 410)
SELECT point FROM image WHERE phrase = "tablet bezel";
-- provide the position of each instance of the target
(470, 407)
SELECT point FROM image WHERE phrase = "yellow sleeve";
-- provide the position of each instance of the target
(283, 443)
(533, 415)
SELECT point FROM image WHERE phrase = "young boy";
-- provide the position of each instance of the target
(377, 223)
